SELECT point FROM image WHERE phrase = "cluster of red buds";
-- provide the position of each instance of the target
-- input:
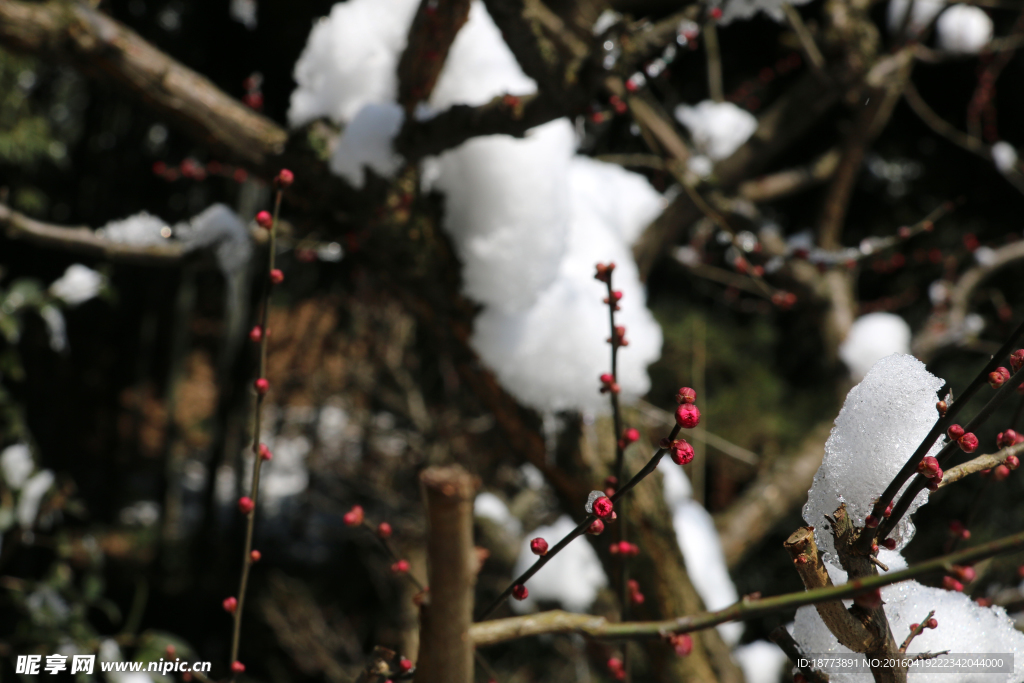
(687, 414)
(618, 337)
(355, 516)
(604, 272)
(615, 298)
(608, 384)
(869, 599)
(998, 377)
(967, 440)
(964, 573)
(929, 469)
(616, 668)
(682, 643)
(1009, 438)
(931, 623)
(951, 584)
(629, 435)
(253, 97)
(679, 450)
(635, 596)
(539, 546)
(624, 548)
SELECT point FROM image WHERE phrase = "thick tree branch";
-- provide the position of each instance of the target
(433, 29)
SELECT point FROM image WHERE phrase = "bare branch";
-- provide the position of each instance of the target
(982, 462)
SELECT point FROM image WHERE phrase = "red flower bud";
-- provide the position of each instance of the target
(965, 574)
(237, 667)
(404, 664)
(355, 516)
(384, 530)
(1017, 359)
(1001, 472)
(942, 407)
(596, 528)
(889, 543)
(284, 178)
(520, 592)
(951, 584)
(230, 605)
(954, 432)
(682, 643)
(968, 442)
(276, 276)
(929, 467)
(1012, 462)
(871, 521)
(603, 507)
(1007, 438)
(998, 377)
(265, 220)
(265, 453)
(932, 623)
(687, 416)
(914, 627)
(636, 598)
(539, 546)
(888, 511)
(400, 567)
(716, 13)
(681, 452)
(262, 386)
(686, 395)
(869, 599)
(245, 505)
(630, 435)
(256, 334)
(255, 556)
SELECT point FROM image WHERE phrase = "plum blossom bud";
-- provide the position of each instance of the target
(630, 435)
(888, 511)
(608, 384)
(889, 544)
(596, 528)
(265, 220)
(1007, 438)
(942, 407)
(400, 567)
(682, 643)
(951, 584)
(686, 395)
(1017, 359)
(245, 505)
(604, 272)
(968, 442)
(1001, 472)
(384, 530)
(954, 432)
(256, 334)
(255, 556)
(262, 386)
(687, 415)
(230, 605)
(237, 667)
(1012, 462)
(539, 546)
(284, 178)
(603, 507)
(520, 592)
(265, 453)
(681, 452)
(871, 521)
(404, 664)
(965, 574)
(929, 467)
(998, 377)
(869, 599)
(355, 516)
(276, 276)
(932, 623)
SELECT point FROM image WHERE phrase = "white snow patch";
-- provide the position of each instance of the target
(245, 12)
(367, 141)
(761, 661)
(717, 128)
(77, 285)
(964, 29)
(32, 494)
(16, 465)
(571, 578)
(142, 229)
(882, 422)
(873, 337)
(1005, 156)
(351, 59)
(489, 506)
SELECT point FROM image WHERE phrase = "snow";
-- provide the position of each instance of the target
(16, 465)
(56, 327)
(1005, 156)
(507, 210)
(77, 285)
(922, 14)
(882, 422)
(873, 337)
(965, 627)
(480, 66)
(761, 661)
(571, 578)
(717, 128)
(550, 355)
(350, 60)
(245, 12)
(32, 494)
(366, 141)
(701, 547)
(746, 9)
(489, 506)
(963, 29)
(142, 229)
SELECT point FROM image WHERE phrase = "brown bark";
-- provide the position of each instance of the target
(433, 29)
(446, 652)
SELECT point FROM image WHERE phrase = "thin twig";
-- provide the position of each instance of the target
(558, 621)
(803, 34)
(916, 631)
